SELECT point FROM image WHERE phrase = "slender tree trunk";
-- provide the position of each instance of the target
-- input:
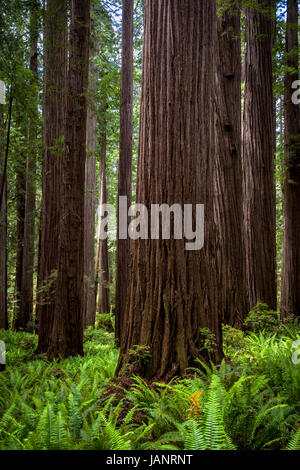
(55, 57)
(90, 189)
(290, 287)
(68, 322)
(3, 233)
(258, 153)
(18, 321)
(102, 264)
(125, 161)
(173, 292)
(25, 319)
(229, 175)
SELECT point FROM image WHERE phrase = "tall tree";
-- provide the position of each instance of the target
(3, 229)
(55, 63)
(258, 154)
(290, 287)
(20, 196)
(23, 317)
(125, 161)
(90, 185)
(172, 291)
(229, 175)
(102, 258)
(66, 336)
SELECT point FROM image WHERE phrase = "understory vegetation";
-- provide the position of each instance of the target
(249, 402)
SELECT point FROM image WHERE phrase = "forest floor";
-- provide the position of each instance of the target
(250, 401)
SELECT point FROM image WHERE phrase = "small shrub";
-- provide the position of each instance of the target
(262, 318)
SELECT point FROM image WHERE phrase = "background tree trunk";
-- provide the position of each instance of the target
(67, 330)
(55, 57)
(90, 189)
(172, 291)
(19, 322)
(102, 264)
(290, 287)
(258, 153)
(26, 294)
(3, 232)
(125, 161)
(229, 174)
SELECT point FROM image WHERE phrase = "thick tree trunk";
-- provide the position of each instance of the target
(55, 57)
(173, 292)
(125, 161)
(258, 153)
(102, 258)
(90, 189)
(290, 287)
(229, 174)
(68, 322)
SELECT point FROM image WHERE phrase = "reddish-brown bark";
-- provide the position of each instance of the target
(258, 154)
(55, 57)
(66, 336)
(229, 174)
(290, 287)
(90, 188)
(102, 257)
(125, 161)
(172, 291)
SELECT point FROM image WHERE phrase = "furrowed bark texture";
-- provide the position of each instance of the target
(67, 330)
(53, 135)
(290, 287)
(125, 161)
(229, 173)
(258, 153)
(172, 291)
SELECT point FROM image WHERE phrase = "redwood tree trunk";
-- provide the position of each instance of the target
(229, 174)
(173, 292)
(26, 294)
(258, 153)
(90, 189)
(125, 161)
(19, 321)
(3, 233)
(55, 57)
(102, 263)
(290, 288)
(67, 331)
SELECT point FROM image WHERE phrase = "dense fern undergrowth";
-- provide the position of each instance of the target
(250, 402)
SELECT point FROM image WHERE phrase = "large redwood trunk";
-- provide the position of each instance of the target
(125, 161)
(173, 292)
(290, 287)
(55, 57)
(258, 153)
(229, 174)
(66, 336)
